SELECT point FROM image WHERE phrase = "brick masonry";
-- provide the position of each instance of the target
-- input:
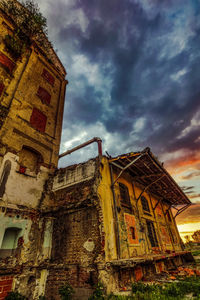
(5, 286)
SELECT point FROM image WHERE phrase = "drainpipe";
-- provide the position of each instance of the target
(95, 139)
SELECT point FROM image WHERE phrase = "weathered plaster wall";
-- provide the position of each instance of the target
(166, 232)
(32, 96)
(74, 174)
(32, 92)
(22, 189)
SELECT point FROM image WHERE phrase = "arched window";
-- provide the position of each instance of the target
(145, 204)
(4, 177)
(9, 242)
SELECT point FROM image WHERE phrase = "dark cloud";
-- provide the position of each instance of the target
(133, 71)
(186, 188)
(190, 176)
(190, 215)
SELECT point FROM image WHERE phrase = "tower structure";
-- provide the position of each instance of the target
(32, 92)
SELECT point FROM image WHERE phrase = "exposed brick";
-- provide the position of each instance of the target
(7, 288)
(5, 282)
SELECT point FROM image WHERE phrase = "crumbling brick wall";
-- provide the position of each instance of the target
(76, 238)
(5, 285)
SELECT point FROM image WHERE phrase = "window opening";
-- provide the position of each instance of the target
(152, 234)
(4, 177)
(9, 243)
(124, 195)
(145, 204)
(132, 230)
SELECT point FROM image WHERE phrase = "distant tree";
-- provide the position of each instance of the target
(196, 236)
(187, 238)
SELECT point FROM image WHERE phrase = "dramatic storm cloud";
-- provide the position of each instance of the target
(134, 78)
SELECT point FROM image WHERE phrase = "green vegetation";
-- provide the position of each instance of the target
(196, 252)
(99, 292)
(15, 296)
(66, 291)
(179, 290)
(29, 25)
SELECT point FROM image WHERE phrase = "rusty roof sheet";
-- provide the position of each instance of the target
(148, 171)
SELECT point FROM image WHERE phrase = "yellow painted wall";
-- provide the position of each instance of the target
(20, 97)
(141, 245)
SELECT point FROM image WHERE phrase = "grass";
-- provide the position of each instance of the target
(188, 288)
(196, 252)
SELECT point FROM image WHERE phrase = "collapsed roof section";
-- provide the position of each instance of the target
(149, 172)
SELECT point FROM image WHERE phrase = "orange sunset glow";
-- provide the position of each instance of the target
(186, 172)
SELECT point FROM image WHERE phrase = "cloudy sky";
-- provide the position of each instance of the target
(134, 79)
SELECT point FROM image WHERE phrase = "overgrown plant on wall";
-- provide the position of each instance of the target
(29, 25)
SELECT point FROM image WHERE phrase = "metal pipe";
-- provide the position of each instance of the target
(95, 139)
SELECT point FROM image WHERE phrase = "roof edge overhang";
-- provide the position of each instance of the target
(146, 170)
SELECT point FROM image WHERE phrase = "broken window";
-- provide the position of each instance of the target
(9, 243)
(4, 177)
(29, 159)
(152, 234)
(124, 195)
(145, 204)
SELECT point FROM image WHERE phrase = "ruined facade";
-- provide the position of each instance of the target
(113, 223)
(32, 90)
(108, 219)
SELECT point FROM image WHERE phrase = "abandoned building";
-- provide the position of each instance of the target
(107, 219)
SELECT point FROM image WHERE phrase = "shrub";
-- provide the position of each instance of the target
(66, 291)
(15, 296)
(99, 293)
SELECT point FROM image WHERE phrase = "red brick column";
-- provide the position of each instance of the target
(5, 285)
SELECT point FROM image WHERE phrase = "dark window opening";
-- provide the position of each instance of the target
(4, 177)
(9, 243)
(124, 195)
(2, 86)
(132, 230)
(145, 204)
(152, 234)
